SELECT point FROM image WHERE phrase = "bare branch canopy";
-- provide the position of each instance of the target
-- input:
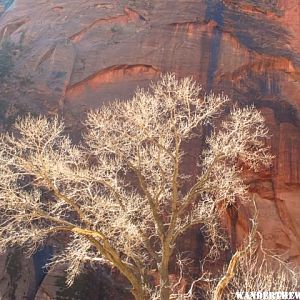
(123, 196)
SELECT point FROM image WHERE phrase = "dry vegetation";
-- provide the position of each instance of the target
(121, 196)
(254, 269)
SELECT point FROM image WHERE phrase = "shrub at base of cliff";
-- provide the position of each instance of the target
(125, 195)
(84, 287)
(93, 285)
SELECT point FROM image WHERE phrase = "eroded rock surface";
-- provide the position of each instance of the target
(81, 54)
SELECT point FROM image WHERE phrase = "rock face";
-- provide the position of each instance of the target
(16, 276)
(80, 54)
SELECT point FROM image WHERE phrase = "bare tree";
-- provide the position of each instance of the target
(253, 268)
(260, 270)
(122, 195)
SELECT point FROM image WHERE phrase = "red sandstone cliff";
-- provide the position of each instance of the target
(80, 54)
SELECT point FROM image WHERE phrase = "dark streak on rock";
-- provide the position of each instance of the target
(214, 12)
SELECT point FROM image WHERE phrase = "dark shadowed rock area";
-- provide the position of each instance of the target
(71, 55)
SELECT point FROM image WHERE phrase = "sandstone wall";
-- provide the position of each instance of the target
(81, 54)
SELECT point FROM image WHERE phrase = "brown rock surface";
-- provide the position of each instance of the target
(16, 276)
(80, 54)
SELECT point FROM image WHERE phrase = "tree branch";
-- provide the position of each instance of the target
(194, 191)
(151, 201)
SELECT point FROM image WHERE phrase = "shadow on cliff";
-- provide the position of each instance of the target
(257, 83)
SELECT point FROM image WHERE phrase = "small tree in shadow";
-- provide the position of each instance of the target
(7, 50)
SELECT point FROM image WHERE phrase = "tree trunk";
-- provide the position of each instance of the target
(139, 293)
(165, 290)
(223, 283)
